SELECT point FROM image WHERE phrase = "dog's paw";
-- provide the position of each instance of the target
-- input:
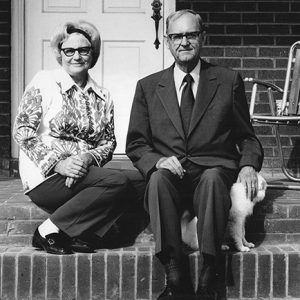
(244, 249)
(225, 247)
(249, 245)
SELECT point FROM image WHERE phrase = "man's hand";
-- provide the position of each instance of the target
(172, 164)
(73, 167)
(248, 177)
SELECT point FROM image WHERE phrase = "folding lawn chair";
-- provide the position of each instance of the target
(285, 111)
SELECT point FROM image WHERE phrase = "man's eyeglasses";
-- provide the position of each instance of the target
(71, 51)
(177, 37)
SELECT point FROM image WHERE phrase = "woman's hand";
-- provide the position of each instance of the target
(87, 158)
(73, 167)
(70, 181)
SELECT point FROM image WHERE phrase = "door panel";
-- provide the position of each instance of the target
(127, 51)
(119, 6)
(66, 6)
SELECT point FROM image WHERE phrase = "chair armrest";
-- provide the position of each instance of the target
(265, 84)
(270, 88)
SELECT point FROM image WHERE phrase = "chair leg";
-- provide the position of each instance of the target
(284, 168)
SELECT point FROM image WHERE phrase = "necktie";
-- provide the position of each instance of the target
(187, 103)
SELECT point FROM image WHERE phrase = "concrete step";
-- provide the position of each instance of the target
(133, 273)
(275, 220)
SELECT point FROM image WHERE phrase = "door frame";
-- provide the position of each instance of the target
(17, 62)
(18, 55)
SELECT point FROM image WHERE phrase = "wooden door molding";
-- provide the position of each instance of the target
(17, 61)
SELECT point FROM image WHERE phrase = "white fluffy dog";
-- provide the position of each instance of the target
(241, 208)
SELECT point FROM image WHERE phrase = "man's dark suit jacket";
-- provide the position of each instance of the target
(220, 131)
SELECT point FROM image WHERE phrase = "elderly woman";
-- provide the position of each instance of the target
(65, 130)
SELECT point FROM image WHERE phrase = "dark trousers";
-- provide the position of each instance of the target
(204, 191)
(92, 204)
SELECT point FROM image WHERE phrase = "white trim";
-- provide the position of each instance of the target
(169, 6)
(17, 62)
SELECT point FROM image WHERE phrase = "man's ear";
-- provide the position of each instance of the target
(203, 35)
(166, 41)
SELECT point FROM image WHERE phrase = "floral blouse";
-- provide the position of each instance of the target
(57, 119)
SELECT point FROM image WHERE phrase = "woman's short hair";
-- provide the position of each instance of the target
(85, 28)
(177, 14)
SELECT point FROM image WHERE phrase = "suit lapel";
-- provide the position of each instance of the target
(167, 94)
(207, 88)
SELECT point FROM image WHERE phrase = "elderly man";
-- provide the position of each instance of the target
(190, 136)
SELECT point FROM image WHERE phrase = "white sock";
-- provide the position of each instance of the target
(47, 227)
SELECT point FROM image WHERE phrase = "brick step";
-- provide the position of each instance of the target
(275, 220)
(133, 273)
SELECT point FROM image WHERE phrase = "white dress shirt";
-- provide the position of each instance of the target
(179, 84)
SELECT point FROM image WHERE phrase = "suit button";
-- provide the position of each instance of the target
(188, 156)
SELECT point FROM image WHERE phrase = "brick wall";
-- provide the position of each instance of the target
(5, 127)
(250, 36)
(253, 37)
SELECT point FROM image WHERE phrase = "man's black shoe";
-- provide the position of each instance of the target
(208, 276)
(206, 282)
(178, 280)
(53, 243)
(185, 290)
(206, 293)
(93, 240)
(169, 291)
(80, 245)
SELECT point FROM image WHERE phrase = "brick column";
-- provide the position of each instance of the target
(5, 27)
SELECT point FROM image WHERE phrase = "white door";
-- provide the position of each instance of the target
(127, 50)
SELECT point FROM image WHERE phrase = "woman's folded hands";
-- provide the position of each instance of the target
(73, 167)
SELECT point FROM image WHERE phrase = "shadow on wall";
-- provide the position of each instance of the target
(134, 220)
(293, 163)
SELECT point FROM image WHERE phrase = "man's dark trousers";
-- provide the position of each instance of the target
(203, 190)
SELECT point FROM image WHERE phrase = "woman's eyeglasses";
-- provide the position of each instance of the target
(71, 51)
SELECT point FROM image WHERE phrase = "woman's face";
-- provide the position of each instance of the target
(78, 62)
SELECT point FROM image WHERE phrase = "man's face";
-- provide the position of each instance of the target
(186, 49)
